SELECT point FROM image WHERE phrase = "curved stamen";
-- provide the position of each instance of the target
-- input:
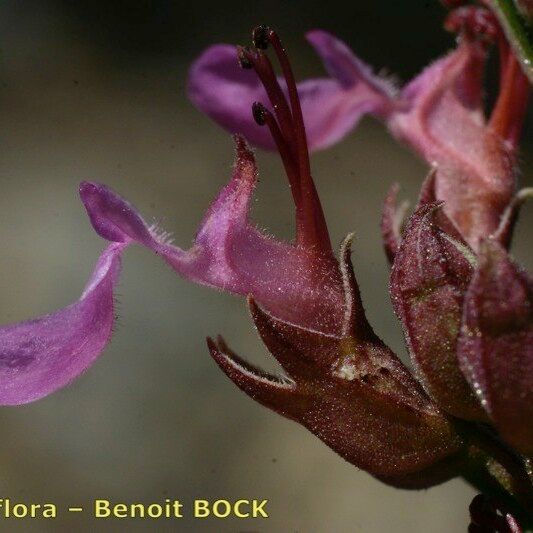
(288, 130)
(308, 191)
(263, 68)
(263, 116)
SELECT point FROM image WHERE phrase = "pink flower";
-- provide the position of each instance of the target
(342, 382)
(298, 282)
(464, 305)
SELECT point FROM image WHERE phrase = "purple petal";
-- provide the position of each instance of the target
(39, 356)
(331, 108)
(351, 73)
(224, 91)
(444, 122)
(495, 347)
(229, 253)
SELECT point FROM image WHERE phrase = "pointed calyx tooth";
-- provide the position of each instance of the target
(273, 392)
(428, 196)
(355, 323)
(303, 353)
(504, 233)
(428, 281)
(392, 219)
(495, 347)
(348, 389)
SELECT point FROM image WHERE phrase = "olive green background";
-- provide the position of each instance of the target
(96, 90)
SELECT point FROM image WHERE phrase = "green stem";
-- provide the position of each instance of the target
(518, 32)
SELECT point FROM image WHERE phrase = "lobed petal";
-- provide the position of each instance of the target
(428, 281)
(231, 254)
(331, 107)
(495, 347)
(224, 91)
(40, 356)
(349, 71)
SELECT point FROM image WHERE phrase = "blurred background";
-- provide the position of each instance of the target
(96, 90)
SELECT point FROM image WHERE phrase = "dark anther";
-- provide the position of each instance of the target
(243, 57)
(260, 37)
(259, 112)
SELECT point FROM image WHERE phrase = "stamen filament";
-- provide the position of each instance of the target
(288, 131)
(287, 128)
(315, 221)
(509, 111)
(263, 116)
(296, 109)
(265, 71)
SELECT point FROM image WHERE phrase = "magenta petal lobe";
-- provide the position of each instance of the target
(224, 91)
(40, 356)
(343, 66)
(112, 217)
(230, 253)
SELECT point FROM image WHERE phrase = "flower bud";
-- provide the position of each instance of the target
(495, 347)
